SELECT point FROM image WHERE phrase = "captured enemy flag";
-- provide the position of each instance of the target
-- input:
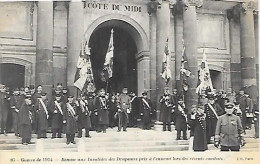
(204, 76)
(166, 71)
(84, 75)
(108, 64)
(184, 71)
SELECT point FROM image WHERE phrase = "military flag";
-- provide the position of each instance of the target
(185, 72)
(166, 71)
(204, 76)
(84, 75)
(107, 71)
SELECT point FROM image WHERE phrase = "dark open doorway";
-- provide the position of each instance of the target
(216, 78)
(12, 75)
(124, 68)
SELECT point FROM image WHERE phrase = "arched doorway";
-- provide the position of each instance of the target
(131, 55)
(216, 78)
(124, 63)
(12, 75)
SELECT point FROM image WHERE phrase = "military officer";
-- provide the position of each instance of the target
(16, 102)
(57, 110)
(135, 102)
(42, 109)
(84, 117)
(166, 109)
(124, 111)
(4, 100)
(102, 111)
(229, 131)
(70, 120)
(181, 120)
(145, 111)
(26, 120)
(213, 111)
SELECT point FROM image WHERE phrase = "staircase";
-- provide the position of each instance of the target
(134, 140)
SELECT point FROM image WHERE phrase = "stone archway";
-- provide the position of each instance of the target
(140, 38)
(25, 63)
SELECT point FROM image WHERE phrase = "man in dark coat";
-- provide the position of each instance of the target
(57, 110)
(135, 111)
(213, 111)
(181, 120)
(174, 100)
(4, 100)
(35, 97)
(102, 111)
(70, 119)
(42, 109)
(91, 97)
(256, 117)
(229, 131)
(26, 120)
(124, 111)
(84, 117)
(16, 102)
(112, 111)
(145, 111)
(198, 126)
(166, 108)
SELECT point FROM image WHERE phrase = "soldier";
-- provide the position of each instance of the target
(256, 117)
(198, 126)
(91, 106)
(112, 111)
(26, 120)
(145, 111)
(213, 111)
(244, 104)
(166, 109)
(101, 106)
(84, 117)
(230, 96)
(124, 111)
(229, 131)
(181, 120)
(70, 120)
(16, 102)
(175, 98)
(42, 109)
(37, 94)
(4, 101)
(135, 102)
(57, 110)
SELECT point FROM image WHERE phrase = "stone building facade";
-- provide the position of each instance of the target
(43, 40)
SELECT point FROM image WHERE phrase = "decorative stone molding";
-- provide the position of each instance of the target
(233, 14)
(177, 8)
(248, 6)
(156, 4)
(196, 3)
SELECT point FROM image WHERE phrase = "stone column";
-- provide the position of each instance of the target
(44, 46)
(75, 37)
(178, 28)
(162, 33)
(256, 49)
(235, 62)
(247, 45)
(152, 13)
(190, 43)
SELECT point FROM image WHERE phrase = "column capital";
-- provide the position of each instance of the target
(177, 8)
(196, 3)
(248, 6)
(234, 14)
(153, 5)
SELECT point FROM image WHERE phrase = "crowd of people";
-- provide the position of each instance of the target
(222, 116)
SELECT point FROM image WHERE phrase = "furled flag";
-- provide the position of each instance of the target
(166, 71)
(84, 75)
(184, 71)
(107, 72)
(204, 76)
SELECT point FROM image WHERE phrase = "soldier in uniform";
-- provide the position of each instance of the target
(4, 100)
(213, 111)
(166, 109)
(174, 100)
(26, 120)
(91, 106)
(244, 105)
(42, 110)
(135, 102)
(198, 126)
(70, 120)
(256, 117)
(145, 111)
(83, 117)
(229, 131)
(57, 110)
(16, 102)
(64, 95)
(102, 111)
(112, 111)
(124, 111)
(181, 120)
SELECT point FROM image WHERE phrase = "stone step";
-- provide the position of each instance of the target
(17, 146)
